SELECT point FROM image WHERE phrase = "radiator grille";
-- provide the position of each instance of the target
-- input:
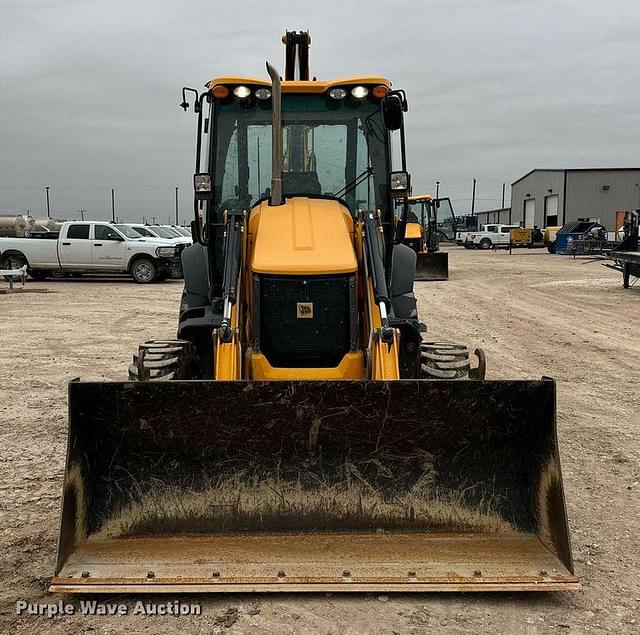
(305, 322)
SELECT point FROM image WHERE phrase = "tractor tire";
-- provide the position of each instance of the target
(446, 360)
(144, 271)
(485, 243)
(164, 360)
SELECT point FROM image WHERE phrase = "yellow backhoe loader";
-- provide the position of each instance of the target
(298, 435)
(427, 223)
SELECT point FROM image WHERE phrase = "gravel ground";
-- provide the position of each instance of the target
(534, 314)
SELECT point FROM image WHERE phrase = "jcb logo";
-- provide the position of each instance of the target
(304, 310)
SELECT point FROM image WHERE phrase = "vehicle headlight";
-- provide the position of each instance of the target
(359, 92)
(166, 251)
(241, 92)
(337, 93)
(263, 93)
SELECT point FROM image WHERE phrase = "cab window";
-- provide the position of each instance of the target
(78, 231)
(104, 232)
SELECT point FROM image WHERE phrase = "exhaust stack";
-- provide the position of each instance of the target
(276, 132)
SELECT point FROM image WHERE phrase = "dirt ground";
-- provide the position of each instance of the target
(534, 314)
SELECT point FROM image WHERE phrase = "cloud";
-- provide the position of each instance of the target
(496, 87)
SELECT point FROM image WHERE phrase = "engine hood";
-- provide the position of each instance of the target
(304, 236)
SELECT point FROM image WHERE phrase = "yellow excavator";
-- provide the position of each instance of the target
(427, 224)
(299, 435)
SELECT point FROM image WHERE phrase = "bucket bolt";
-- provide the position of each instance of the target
(281, 574)
(215, 574)
(477, 573)
(85, 574)
(412, 573)
(346, 573)
(151, 574)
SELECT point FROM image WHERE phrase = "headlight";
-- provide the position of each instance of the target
(241, 92)
(263, 93)
(166, 252)
(359, 92)
(399, 184)
(337, 93)
(203, 186)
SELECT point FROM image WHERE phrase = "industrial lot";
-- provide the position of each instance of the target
(334, 393)
(534, 314)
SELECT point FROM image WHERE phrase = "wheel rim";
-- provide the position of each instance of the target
(144, 271)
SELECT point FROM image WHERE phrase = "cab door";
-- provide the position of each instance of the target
(75, 247)
(107, 248)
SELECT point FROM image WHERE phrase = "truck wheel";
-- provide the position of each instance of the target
(446, 360)
(485, 243)
(144, 271)
(39, 274)
(13, 261)
(551, 248)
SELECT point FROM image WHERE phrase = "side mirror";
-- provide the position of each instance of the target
(392, 112)
(115, 237)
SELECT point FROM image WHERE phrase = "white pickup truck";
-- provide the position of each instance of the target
(93, 247)
(489, 236)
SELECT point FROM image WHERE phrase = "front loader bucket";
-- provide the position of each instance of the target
(202, 486)
(432, 266)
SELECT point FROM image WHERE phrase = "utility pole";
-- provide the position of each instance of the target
(177, 220)
(113, 205)
(82, 211)
(48, 208)
(504, 185)
(437, 189)
(153, 220)
(473, 199)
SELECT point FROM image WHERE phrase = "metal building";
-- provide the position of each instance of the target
(500, 216)
(553, 197)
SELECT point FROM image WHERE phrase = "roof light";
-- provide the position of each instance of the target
(263, 93)
(241, 92)
(337, 93)
(220, 92)
(380, 91)
(359, 92)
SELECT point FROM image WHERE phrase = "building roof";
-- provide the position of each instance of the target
(573, 170)
(493, 210)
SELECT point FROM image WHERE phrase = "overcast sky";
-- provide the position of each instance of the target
(90, 89)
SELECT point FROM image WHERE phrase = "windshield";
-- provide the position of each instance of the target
(327, 145)
(129, 232)
(184, 231)
(166, 232)
(416, 212)
(143, 231)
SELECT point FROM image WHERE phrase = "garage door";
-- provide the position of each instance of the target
(551, 211)
(529, 212)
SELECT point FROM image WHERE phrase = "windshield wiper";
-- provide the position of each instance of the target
(363, 176)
